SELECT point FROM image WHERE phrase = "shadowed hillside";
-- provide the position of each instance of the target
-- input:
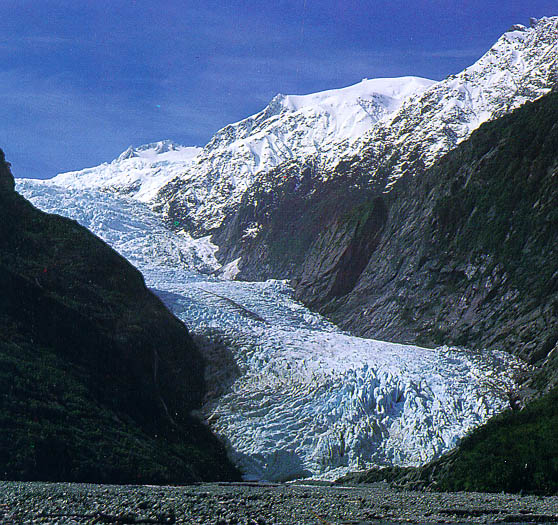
(97, 378)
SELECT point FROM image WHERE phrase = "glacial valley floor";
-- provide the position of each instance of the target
(246, 503)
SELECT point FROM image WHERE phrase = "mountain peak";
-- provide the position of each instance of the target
(162, 146)
(151, 149)
(329, 101)
(549, 22)
(137, 172)
(129, 153)
(516, 27)
(521, 66)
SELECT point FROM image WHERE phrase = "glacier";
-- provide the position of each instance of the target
(291, 395)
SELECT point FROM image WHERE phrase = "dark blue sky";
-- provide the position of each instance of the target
(82, 80)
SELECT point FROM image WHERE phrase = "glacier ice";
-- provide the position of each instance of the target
(292, 395)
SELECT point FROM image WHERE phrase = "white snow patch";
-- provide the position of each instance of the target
(230, 270)
(251, 232)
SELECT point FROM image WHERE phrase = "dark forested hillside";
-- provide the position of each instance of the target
(97, 378)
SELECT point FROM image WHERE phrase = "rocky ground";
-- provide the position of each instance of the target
(239, 503)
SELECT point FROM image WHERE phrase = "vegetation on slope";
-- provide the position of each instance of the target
(516, 451)
(97, 378)
(503, 198)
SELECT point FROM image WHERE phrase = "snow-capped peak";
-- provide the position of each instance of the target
(332, 101)
(325, 117)
(516, 27)
(162, 150)
(521, 66)
(411, 118)
(138, 172)
(321, 124)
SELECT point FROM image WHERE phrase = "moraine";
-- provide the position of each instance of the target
(292, 395)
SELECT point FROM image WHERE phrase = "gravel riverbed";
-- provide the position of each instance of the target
(243, 503)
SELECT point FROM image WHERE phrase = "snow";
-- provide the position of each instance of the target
(215, 178)
(410, 116)
(138, 172)
(230, 271)
(252, 231)
(521, 66)
(290, 127)
(301, 398)
(353, 110)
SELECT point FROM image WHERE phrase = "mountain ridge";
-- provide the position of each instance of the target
(406, 124)
(520, 66)
(137, 172)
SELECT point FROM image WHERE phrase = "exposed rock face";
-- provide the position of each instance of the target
(97, 378)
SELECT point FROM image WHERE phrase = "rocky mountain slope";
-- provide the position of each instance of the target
(397, 245)
(323, 125)
(465, 252)
(489, 210)
(375, 251)
(400, 125)
(97, 378)
(521, 66)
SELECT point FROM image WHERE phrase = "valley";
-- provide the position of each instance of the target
(354, 286)
(291, 394)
